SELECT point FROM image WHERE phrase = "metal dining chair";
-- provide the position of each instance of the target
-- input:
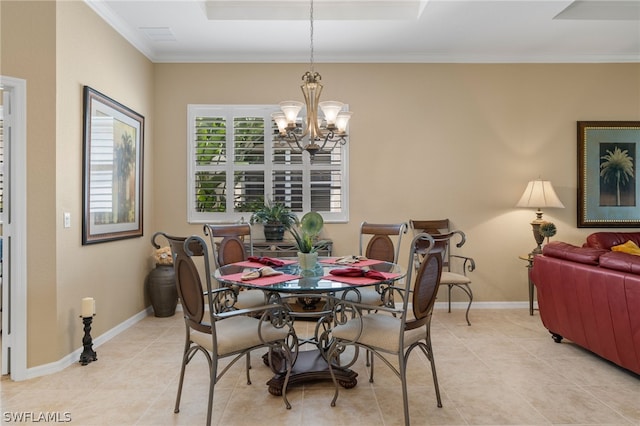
(224, 331)
(455, 266)
(379, 241)
(390, 330)
(382, 240)
(231, 243)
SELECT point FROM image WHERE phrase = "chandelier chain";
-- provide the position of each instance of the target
(311, 33)
(315, 134)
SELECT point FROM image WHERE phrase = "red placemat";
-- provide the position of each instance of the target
(359, 280)
(273, 279)
(249, 264)
(359, 263)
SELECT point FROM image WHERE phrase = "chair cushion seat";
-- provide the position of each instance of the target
(379, 331)
(453, 278)
(368, 296)
(250, 298)
(239, 333)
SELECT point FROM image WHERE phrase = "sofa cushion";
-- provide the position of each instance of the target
(561, 250)
(622, 262)
(629, 247)
(606, 240)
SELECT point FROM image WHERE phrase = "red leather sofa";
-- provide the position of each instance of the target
(591, 296)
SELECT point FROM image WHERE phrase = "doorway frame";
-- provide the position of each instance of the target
(14, 230)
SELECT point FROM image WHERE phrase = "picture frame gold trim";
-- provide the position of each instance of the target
(608, 186)
(113, 150)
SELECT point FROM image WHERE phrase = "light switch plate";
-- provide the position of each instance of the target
(67, 220)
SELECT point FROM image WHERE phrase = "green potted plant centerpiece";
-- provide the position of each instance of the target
(306, 235)
(276, 218)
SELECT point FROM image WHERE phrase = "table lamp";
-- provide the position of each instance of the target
(539, 193)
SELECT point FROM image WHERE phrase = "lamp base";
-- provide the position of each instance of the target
(535, 225)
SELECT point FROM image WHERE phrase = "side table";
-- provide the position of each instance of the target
(285, 248)
(529, 259)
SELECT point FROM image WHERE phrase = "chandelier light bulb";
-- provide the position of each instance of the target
(281, 121)
(291, 109)
(342, 120)
(330, 109)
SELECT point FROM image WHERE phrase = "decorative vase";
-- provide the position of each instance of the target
(161, 283)
(307, 261)
(273, 232)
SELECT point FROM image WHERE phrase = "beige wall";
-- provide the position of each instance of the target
(91, 53)
(28, 51)
(427, 141)
(58, 47)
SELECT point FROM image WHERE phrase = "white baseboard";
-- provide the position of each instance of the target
(486, 305)
(74, 357)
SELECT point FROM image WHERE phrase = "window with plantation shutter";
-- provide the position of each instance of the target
(236, 163)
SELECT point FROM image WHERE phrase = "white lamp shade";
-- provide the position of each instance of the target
(291, 109)
(342, 120)
(281, 121)
(539, 193)
(330, 109)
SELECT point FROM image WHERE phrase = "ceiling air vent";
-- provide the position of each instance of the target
(158, 33)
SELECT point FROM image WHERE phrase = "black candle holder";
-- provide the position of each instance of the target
(88, 354)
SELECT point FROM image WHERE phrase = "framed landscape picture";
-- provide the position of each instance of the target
(112, 175)
(608, 187)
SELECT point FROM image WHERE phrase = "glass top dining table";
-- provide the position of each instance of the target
(307, 288)
(318, 280)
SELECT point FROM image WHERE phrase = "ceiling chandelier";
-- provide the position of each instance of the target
(318, 135)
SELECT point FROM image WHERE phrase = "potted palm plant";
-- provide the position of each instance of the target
(305, 234)
(276, 218)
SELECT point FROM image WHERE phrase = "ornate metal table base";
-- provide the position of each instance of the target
(309, 366)
(309, 303)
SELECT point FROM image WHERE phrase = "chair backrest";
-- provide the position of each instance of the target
(440, 229)
(438, 226)
(229, 242)
(188, 282)
(380, 240)
(426, 282)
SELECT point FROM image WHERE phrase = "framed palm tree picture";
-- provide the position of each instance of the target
(608, 187)
(112, 175)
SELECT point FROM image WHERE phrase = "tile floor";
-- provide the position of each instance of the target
(503, 370)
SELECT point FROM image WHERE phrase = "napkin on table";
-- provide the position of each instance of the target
(357, 272)
(269, 261)
(348, 260)
(265, 271)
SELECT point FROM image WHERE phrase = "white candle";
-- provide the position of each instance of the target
(88, 307)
